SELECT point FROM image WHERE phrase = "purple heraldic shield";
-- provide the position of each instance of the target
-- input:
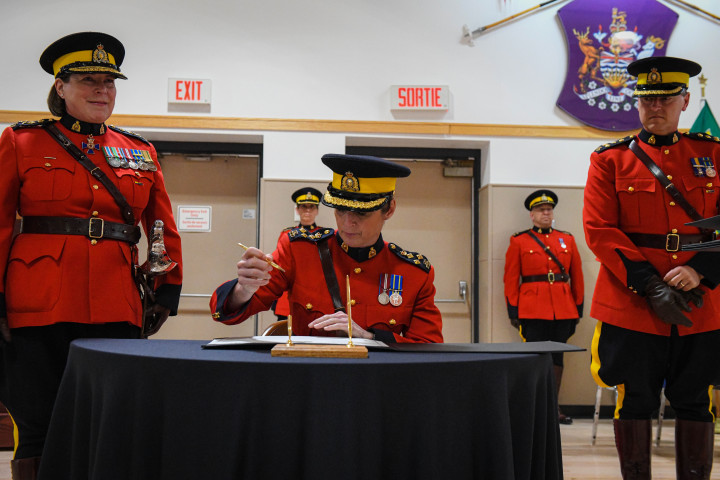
(603, 37)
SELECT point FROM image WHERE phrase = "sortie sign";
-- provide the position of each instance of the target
(419, 97)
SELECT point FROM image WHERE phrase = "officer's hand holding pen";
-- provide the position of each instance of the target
(253, 272)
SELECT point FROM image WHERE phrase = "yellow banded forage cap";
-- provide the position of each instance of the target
(541, 197)
(84, 52)
(662, 76)
(307, 195)
(361, 183)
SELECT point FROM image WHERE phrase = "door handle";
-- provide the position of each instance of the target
(462, 292)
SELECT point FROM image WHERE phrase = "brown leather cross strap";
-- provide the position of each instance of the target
(83, 160)
(89, 227)
(330, 277)
(664, 181)
(548, 251)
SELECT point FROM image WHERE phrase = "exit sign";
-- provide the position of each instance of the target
(419, 97)
(189, 90)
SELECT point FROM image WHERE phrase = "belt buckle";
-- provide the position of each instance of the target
(90, 227)
(551, 277)
(668, 248)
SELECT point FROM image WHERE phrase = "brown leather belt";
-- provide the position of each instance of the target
(550, 277)
(670, 242)
(95, 228)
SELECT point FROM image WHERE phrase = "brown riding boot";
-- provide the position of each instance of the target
(632, 439)
(693, 449)
(25, 468)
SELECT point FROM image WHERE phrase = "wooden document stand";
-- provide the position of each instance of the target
(319, 351)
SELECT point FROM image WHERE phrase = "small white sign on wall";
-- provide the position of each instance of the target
(192, 218)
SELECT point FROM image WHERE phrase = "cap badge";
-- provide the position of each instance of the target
(100, 55)
(654, 76)
(349, 183)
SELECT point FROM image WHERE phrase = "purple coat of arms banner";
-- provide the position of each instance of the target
(603, 37)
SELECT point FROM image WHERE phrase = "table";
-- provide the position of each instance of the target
(168, 409)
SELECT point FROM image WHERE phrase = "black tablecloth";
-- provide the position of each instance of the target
(168, 409)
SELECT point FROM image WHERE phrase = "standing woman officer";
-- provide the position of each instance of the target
(69, 273)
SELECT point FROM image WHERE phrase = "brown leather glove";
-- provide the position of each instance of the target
(667, 302)
(154, 319)
(515, 322)
(695, 296)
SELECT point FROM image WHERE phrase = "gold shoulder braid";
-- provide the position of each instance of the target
(413, 258)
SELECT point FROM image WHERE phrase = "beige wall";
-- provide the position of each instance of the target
(501, 215)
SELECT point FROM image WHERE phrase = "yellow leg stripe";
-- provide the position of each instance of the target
(16, 434)
(710, 396)
(620, 398)
(595, 365)
(521, 334)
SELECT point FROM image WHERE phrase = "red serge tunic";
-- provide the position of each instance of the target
(52, 278)
(543, 300)
(416, 319)
(622, 197)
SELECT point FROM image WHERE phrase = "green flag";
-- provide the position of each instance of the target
(705, 122)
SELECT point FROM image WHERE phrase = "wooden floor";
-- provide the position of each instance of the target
(581, 461)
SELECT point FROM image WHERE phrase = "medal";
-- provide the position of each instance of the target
(710, 172)
(395, 299)
(90, 145)
(396, 282)
(383, 297)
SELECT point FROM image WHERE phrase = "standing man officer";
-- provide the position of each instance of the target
(307, 201)
(654, 324)
(544, 286)
(393, 296)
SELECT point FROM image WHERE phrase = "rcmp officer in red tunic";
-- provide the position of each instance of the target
(392, 288)
(657, 305)
(307, 201)
(544, 286)
(69, 273)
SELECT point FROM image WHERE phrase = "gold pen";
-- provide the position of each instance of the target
(273, 264)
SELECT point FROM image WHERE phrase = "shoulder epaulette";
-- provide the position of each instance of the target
(619, 141)
(287, 229)
(298, 233)
(520, 233)
(563, 231)
(701, 136)
(31, 124)
(412, 258)
(128, 133)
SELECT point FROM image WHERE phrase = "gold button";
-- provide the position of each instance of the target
(672, 204)
(530, 251)
(352, 302)
(669, 177)
(709, 185)
(95, 187)
(667, 151)
(308, 306)
(93, 242)
(674, 257)
(631, 189)
(95, 213)
(549, 258)
(392, 321)
(357, 270)
(47, 164)
(674, 230)
(216, 315)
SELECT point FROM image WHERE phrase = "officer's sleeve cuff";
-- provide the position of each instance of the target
(638, 273)
(708, 265)
(168, 295)
(383, 335)
(512, 311)
(222, 293)
(3, 308)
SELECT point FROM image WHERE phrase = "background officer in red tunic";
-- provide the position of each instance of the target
(657, 307)
(393, 296)
(307, 201)
(69, 273)
(544, 286)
